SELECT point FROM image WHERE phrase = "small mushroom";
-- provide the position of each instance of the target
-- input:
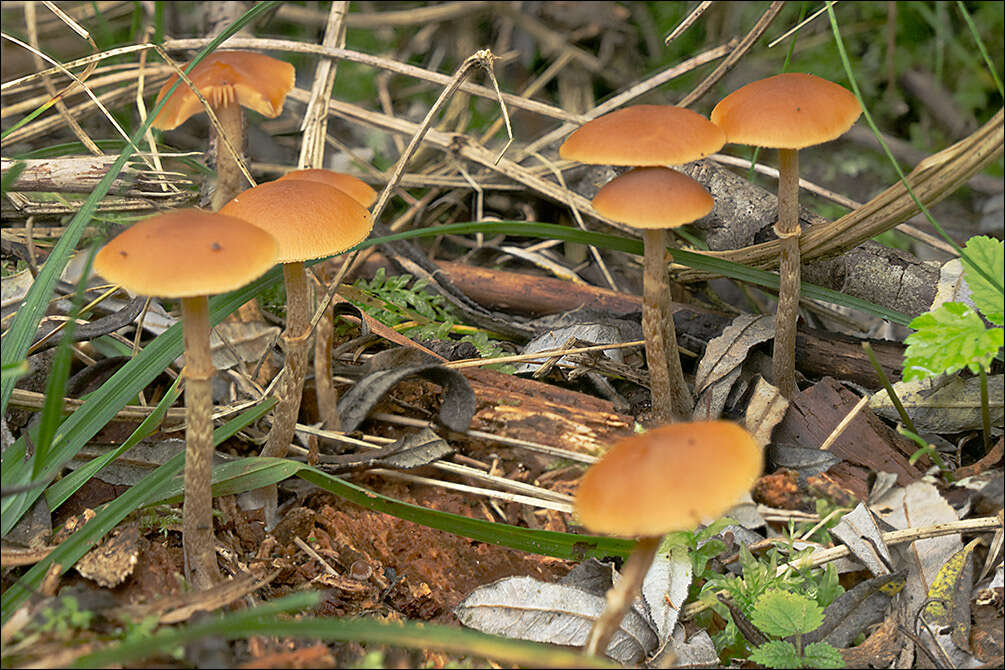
(191, 254)
(228, 80)
(651, 135)
(362, 193)
(654, 199)
(309, 220)
(788, 112)
(668, 479)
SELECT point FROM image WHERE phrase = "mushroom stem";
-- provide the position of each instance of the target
(294, 343)
(783, 359)
(671, 400)
(323, 383)
(621, 596)
(229, 179)
(197, 510)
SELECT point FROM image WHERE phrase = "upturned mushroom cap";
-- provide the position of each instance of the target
(653, 197)
(254, 80)
(357, 188)
(186, 253)
(644, 135)
(787, 111)
(308, 219)
(670, 478)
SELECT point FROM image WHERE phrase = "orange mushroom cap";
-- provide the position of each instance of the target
(653, 197)
(308, 219)
(254, 80)
(186, 253)
(644, 135)
(787, 111)
(360, 191)
(670, 478)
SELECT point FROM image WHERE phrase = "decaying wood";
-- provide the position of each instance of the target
(527, 409)
(866, 446)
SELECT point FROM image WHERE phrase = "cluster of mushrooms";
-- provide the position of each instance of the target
(678, 474)
(190, 254)
(312, 213)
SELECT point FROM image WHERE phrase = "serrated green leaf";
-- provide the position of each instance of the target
(950, 337)
(989, 254)
(777, 654)
(822, 655)
(783, 613)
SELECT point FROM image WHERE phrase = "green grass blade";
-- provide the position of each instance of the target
(247, 474)
(57, 494)
(634, 246)
(147, 491)
(980, 45)
(548, 543)
(29, 314)
(265, 620)
(103, 404)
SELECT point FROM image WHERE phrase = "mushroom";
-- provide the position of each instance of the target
(228, 80)
(309, 220)
(358, 189)
(655, 199)
(651, 135)
(190, 254)
(668, 479)
(787, 112)
(325, 389)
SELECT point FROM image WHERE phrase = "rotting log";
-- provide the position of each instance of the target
(818, 353)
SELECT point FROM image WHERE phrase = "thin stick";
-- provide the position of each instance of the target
(688, 21)
(840, 428)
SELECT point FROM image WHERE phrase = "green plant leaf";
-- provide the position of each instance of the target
(949, 337)
(822, 655)
(777, 654)
(783, 613)
(989, 253)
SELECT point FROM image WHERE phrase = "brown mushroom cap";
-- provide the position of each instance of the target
(186, 253)
(254, 80)
(357, 188)
(787, 111)
(307, 218)
(670, 478)
(644, 135)
(653, 197)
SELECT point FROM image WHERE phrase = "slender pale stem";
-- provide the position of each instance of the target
(671, 399)
(197, 510)
(229, 179)
(783, 359)
(294, 343)
(620, 598)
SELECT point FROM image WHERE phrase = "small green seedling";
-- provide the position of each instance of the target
(761, 576)
(784, 614)
(952, 336)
